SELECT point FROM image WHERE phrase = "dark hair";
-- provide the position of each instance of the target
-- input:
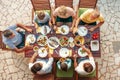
(88, 67)
(63, 66)
(7, 33)
(36, 67)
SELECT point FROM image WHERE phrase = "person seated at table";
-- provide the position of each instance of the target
(41, 66)
(90, 17)
(14, 38)
(64, 15)
(64, 64)
(42, 18)
(85, 66)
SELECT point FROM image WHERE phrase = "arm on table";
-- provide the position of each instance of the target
(22, 49)
(33, 58)
(24, 27)
(97, 26)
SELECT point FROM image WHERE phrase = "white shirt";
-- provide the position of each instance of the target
(46, 18)
(46, 68)
(80, 70)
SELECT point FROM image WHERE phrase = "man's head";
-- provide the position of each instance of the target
(41, 15)
(64, 66)
(95, 14)
(36, 67)
(88, 67)
(62, 11)
(8, 34)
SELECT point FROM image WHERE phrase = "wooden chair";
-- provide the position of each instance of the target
(2, 45)
(49, 76)
(40, 5)
(93, 76)
(61, 75)
(87, 3)
(68, 3)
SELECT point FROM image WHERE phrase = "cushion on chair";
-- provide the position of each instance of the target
(93, 74)
(61, 73)
(81, 11)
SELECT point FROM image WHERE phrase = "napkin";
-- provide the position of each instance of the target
(38, 29)
(70, 52)
(58, 30)
(50, 50)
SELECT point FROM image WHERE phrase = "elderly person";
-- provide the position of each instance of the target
(15, 39)
(90, 17)
(40, 66)
(64, 15)
(85, 66)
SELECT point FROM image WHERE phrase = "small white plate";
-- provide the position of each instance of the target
(42, 40)
(31, 38)
(53, 42)
(81, 53)
(94, 45)
(45, 29)
(64, 52)
(42, 52)
(64, 29)
(82, 31)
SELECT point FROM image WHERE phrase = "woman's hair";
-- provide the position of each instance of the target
(88, 67)
(64, 66)
(36, 67)
(7, 33)
(96, 13)
(62, 11)
(41, 15)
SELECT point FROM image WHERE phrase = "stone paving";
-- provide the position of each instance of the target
(14, 66)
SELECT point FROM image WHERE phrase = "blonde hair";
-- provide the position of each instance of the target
(96, 13)
(62, 11)
(41, 15)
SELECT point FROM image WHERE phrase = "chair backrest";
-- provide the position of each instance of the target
(68, 3)
(90, 78)
(87, 3)
(2, 45)
(41, 4)
(61, 75)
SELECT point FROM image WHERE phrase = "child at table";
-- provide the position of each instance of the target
(42, 18)
(64, 64)
(90, 17)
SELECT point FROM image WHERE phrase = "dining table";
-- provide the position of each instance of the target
(88, 39)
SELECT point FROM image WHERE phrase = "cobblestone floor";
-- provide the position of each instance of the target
(14, 66)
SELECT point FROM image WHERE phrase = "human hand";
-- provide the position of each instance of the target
(49, 55)
(55, 27)
(74, 30)
(35, 54)
(29, 47)
(75, 56)
(29, 30)
(92, 29)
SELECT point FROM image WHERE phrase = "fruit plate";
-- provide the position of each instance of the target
(53, 42)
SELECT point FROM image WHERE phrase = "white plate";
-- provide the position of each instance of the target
(31, 38)
(64, 29)
(82, 31)
(64, 52)
(53, 42)
(80, 53)
(94, 45)
(45, 29)
(71, 42)
(42, 40)
(42, 52)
